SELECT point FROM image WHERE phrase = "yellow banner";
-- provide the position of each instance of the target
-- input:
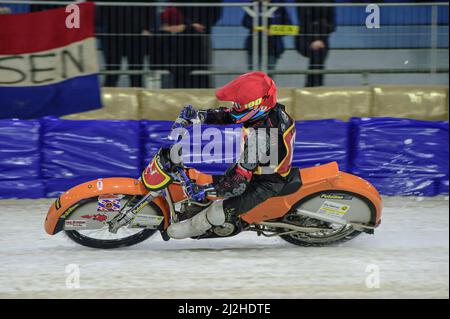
(281, 29)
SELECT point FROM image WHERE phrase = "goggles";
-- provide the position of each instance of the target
(238, 107)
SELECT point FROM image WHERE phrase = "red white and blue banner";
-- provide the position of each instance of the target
(48, 63)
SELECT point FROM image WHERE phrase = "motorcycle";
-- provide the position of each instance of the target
(318, 206)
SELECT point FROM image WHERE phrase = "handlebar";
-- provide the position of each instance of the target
(190, 187)
(178, 124)
(187, 116)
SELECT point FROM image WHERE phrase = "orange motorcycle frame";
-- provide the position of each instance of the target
(314, 180)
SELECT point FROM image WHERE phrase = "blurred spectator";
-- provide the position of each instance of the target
(175, 48)
(316, 24)
(202, 19)
(5, 10)
(276, 45)
(125, 31)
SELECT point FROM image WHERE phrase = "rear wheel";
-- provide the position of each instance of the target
(331, 234)
(103, 239)
(345, 205)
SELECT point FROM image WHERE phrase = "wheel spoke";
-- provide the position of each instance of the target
(329, 233)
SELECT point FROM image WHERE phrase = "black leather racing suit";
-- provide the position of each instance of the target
(254, 179)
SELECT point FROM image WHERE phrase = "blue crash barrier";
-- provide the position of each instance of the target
(155, 133)
(46, 157)
(56, 186)
(417, 185)
(313, 144)
(19, 149)
(444, 186)
(213, 153)
(89, 150)
(20, 189)
(400, 156)
(20, 168)
(320, 142)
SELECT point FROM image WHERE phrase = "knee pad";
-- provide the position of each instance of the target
(215, 213)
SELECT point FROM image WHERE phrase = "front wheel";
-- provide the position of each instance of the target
(102, 238)
(108, 240)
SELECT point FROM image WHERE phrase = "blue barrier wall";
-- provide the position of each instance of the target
(20, 166)
(320, 142)
(85, 150)
(44, 158)
(401, 156)
(313, 145)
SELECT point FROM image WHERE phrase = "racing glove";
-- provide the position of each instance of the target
(234, 182)
(188, 116)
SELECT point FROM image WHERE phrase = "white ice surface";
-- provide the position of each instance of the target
(410, 248)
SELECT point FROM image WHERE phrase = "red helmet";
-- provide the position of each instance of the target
(253, 95)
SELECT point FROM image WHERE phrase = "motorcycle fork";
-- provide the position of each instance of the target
(173, 214)
(123, 219)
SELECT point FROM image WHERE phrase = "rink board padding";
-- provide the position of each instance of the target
(20, 167)
(401, 156)
(155, 134)
(49, 156)
(413, 147)
(167, 104)
(332, 102)
(320, 142)
(90, 149)
(56, 186)
(416, 185)
(22, 188)
(314, 144)
(425, 102)
(444, 185)
(19, 149)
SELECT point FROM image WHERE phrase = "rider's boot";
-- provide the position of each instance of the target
(200, 223)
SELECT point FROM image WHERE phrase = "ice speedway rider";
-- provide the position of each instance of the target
(250, 181)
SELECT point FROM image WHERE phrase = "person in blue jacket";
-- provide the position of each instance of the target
(276, 45)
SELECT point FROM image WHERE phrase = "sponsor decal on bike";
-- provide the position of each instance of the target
(140, 207)
(108, 203)
(69, 211)
(97, 217)
(336, 196)
(147, 220)
(58, 203)
(335, 209)
(100, 184)
(75, 223)
(154, 177)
